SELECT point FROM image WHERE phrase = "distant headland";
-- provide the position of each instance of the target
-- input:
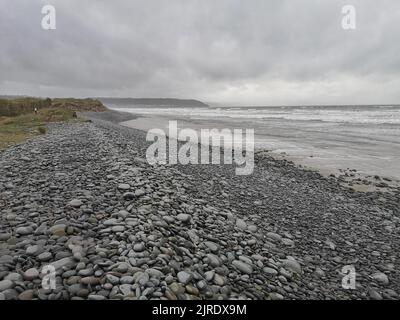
(153, 102)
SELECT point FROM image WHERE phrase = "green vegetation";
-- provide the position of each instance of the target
(79, 104)
(42, 130)
(15, 107)
(19, 121)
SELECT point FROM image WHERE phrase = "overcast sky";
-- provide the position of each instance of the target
(259, 52)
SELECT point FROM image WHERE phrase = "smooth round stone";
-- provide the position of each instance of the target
(282, 279)
(230, 216)
(75, 203)
(140, 192)
(73, 280)
(169, 279)
(65, 263)
(122, 267)
(96, 297)
(209, 275)
(78, 255)
(85, 272)
(168, 219)
(128, 195)
(274, 236)
(75, 288)
(124, 186)
(32, 250)
(337, 259)
(27, 295)
(118, 229)
(139, 247)
(219, 280)
(6, 284)
(123, 214)
(126, 289)
(214, 260)
(45, 256)
(126, 280)
(154, 273)
(252, 242)
(243, 267)
(225, 290)
(177, 288)
(374, 295)
(170, 295)
(42, 229)
(108, 286)
(276, 296)
(83, 293)
(288, 242)
(69, 273)
(287, 274)
(5, 236)
(201, 285)
(112, 279)
(142, 279)
(246, 260)
(6, 259)
(319, 272)
(270, 272)
(212, 246)
(90, 281)
(192, 290)
(98, 273)
(31, 274)
(92, 220)
(241, 224)
(58, 230)
(292, 265)
(110, 222)
(70, 230)
(14, 276)
(11, 217)
(23, 231)
(390, 293)
(80, 266)
(184, 277)
(131, 222)
(381, 278)
(252, 228)
(183, 217)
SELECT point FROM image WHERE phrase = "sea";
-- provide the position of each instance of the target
(326, 138)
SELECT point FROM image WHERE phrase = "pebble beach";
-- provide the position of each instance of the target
(83, 199)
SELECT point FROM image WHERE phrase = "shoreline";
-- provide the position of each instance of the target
(350, 178)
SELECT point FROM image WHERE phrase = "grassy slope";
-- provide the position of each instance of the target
(15, 107)
(18, 122)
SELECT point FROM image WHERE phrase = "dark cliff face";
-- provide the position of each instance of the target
(153, 102)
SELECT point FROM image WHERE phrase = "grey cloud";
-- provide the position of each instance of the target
(229, 51)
